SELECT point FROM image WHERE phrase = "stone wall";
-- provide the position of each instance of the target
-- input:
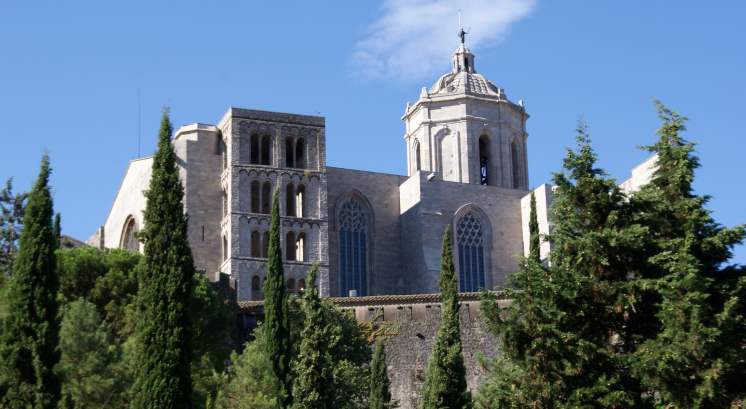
(409, 324)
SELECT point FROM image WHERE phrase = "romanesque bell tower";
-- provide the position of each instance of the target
(465, 129)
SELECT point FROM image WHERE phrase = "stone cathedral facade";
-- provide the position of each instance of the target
(371, 233)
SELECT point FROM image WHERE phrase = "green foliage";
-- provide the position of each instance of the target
(380, 395)
(89, 366)
(276, 310)
(312, 369)
(567, 335)
(695, 360)
(445, 382)
(164, 331)
(57, 229)
(249, 382)
(213, 323)
(12, 206)
(30, 331)
(533, 228)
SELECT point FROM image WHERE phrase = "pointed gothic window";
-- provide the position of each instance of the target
(471, 253)
(129, 235)
(354, 239)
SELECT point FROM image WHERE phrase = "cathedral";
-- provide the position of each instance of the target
(370, 233)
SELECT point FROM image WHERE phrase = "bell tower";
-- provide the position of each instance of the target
(465, 129)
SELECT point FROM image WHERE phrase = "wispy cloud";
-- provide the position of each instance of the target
(413, 39)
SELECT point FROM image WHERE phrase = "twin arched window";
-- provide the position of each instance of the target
(294, 195)
(260, 149)
(471, 244)
(295, 153)
(354, 242)
(261, 197)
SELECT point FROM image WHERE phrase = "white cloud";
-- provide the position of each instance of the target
(413, 39)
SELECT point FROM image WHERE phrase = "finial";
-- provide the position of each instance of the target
(461, 32)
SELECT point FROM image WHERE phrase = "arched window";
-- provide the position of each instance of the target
(255, 283)
(354, 224)
(484, 160)
(129, 235)
(266, 155)
(417, 157)
(256, 245)
(266, 197)
(290, 246)
(516, 162)
(225, 248)
(255, 199)
(225, 204)
(470, 242)
(300, 152)
(291, 285)
(300, 247)
(289, 153)
(301, 285)
(300, 191)
(265, 245)
(224, 152)
(254, 149)
(290, 200)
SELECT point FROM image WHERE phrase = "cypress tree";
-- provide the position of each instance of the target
(276, 309)
(313, 386)
(533, 228)
(57, 229)
(28, 347)
(163, 378)
(696, 357)
(445, 381)
(379, 396)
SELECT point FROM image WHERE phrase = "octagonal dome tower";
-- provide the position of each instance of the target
(465, 129)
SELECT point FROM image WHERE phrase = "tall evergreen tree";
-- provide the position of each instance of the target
(313, 384)
(12, 206)
(533, 229)
(566, 336)
(380, 394)
(57, 229)
(276, 309)
(163, 378)
(28, 344)
(445, 381)
(696, 358)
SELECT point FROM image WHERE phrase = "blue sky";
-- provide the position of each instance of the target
(70, 71)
